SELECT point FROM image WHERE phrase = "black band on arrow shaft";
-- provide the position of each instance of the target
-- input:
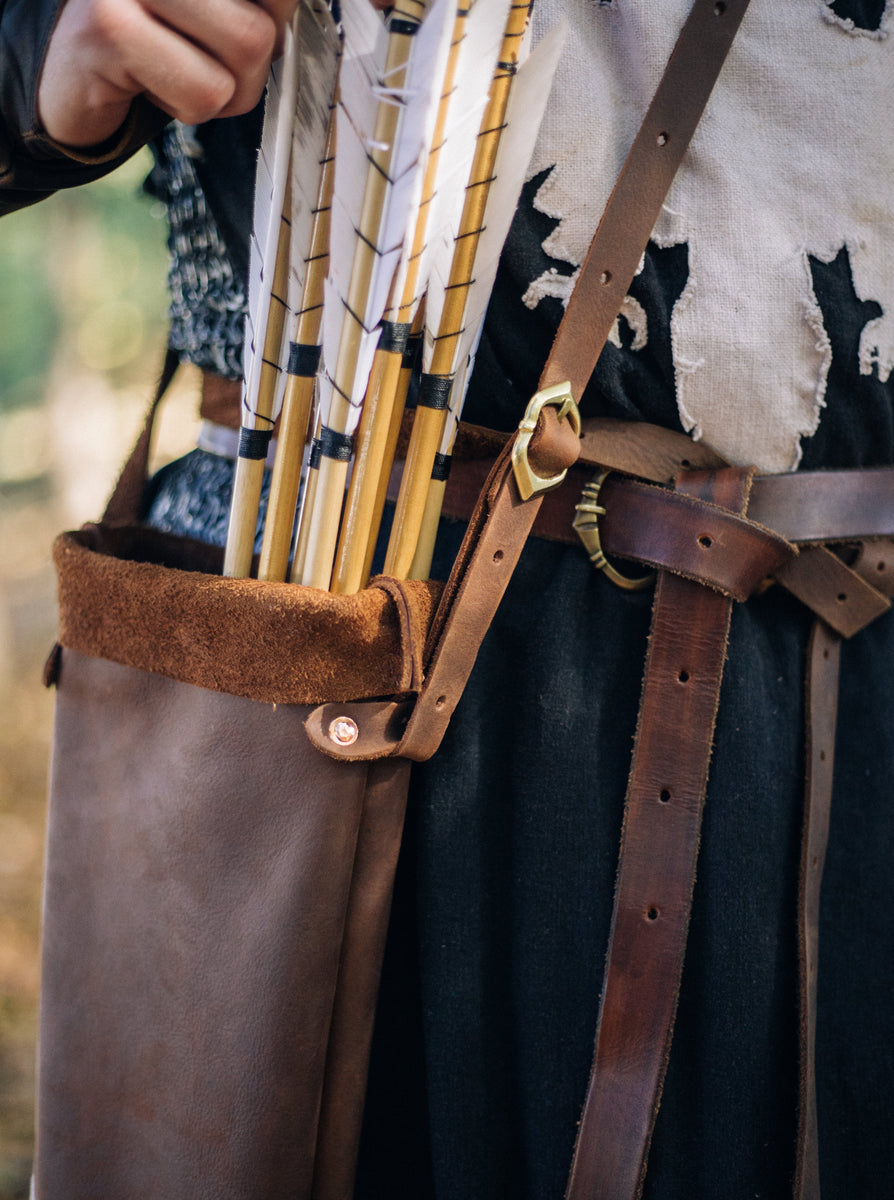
(336, 445)
(434, 391)
(254, 443)
(441, 467)
(395, 335)
(303, 360)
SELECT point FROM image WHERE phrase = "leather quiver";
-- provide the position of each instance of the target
(229, 778)
(217, 889)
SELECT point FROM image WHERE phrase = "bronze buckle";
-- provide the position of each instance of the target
(528, 481)
(586, 524)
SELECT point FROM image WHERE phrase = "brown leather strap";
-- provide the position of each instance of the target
(639, 193)
(637, 517)
(875, 568)
(832, 590)
(824, 657)
(492, 546)
(221, 401)
(838, 505)
(689, 536)
(659, 846)
(126, 500)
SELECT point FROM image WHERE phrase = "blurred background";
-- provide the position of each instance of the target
(82, 331)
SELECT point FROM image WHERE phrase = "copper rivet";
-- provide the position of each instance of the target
(343, 731)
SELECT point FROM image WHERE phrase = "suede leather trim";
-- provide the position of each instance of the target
(278, 643)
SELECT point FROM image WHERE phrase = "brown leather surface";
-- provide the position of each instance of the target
(832, 590)
(838, 505)
(782, 503)
(640, 191)
(274, 642)
(201, 870)
(491, 548)
(823, 662)
(221, 401)
(363, 948)
(644, 450)
(690, 536)
(656, 872)
(380, 728)
(126, 500)
(874, 566)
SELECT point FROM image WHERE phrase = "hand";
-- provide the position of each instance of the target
(195, 59)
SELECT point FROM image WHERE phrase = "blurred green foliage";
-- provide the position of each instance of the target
(84, 267)
(82, 315)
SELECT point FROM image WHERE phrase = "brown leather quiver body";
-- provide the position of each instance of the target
(218, 883)
(217, 889)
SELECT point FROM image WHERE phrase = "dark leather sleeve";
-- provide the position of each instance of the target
(32, 165)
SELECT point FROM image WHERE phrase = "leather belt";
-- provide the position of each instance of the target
(803, 507)
(713, 540)
(663, 528)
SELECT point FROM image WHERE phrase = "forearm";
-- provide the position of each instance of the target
(32, 164)
(84, 83)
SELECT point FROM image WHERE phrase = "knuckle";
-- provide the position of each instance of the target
(253, 36)
(206, 100)
(110, 22)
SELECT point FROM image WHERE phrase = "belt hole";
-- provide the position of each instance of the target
(498, 557)
(685, 463)
(719, 8)
(705, 540)
(662, 139)
(683, 677)
(605, 277)
(652, 913)
(440, 702)
(822, 756)
(841, 597)
(664, 795)
(880, 566)
(825, 654)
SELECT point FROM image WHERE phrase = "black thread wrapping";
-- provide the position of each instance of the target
(395, 335)
(316, 453)
(303, 360)
(339, 446)
(434, 391)
(254, 443)
(441, 467)
(401, 25)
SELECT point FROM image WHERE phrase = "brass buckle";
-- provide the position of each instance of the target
(529, 482)
(586, 524)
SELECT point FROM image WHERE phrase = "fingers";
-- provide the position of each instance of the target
(213, 56)
(197, 59)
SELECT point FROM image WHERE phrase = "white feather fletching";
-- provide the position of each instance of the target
(270, 190)
(318, 38)
(417, 99)
(527, 103)
(475, 69)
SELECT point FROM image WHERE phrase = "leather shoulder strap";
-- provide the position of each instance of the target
(502, 521)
